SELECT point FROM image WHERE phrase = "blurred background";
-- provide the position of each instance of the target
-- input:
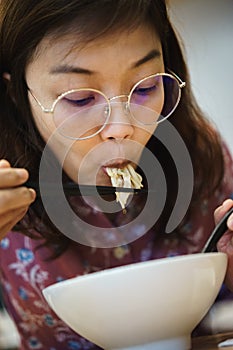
(206, 27)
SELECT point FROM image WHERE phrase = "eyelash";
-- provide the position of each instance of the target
(143, 91)
(81, 102)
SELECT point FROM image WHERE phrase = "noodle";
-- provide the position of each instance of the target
(127, 178)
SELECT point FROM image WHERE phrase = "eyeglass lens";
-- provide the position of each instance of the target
(83, 113)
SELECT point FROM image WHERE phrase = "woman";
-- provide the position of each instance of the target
(84, 88)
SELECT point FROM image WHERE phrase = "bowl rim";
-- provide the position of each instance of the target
(139, 265)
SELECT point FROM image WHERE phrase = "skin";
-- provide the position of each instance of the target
(112, 65)
(225, 244)
(14, 198)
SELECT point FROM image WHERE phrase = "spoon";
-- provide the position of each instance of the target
(217, 233)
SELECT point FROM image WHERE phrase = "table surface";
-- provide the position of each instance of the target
(211, 342)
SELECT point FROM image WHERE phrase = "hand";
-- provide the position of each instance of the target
(225, 244)
(14, 197)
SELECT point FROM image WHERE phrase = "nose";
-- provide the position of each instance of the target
(119, 125)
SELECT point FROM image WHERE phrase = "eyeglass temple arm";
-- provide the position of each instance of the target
(181, 82)
(45, 110)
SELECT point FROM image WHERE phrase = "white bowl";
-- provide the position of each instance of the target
(149, 305)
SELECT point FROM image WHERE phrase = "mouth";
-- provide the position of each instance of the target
(116, 163)
(125, 177)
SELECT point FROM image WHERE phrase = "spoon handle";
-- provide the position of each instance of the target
(217, 233)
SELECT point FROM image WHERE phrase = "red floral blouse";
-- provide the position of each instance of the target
(25, 272)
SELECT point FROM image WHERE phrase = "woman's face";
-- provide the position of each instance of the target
(112, 65)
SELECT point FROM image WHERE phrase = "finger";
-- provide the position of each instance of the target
(230, 222)
(4, 163)
(12, 177)
(11, 219)
(223, 209)
(16, 198)
(11, 215)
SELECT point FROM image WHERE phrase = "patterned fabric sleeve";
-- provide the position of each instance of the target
(224, 302)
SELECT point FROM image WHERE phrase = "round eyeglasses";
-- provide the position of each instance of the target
(80, 114)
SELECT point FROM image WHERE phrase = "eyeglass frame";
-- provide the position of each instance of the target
(171, 74)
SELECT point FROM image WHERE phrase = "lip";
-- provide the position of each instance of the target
(117, 163)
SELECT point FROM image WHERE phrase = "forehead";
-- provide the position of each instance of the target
(125, 45)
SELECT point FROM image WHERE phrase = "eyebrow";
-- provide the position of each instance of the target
(150, 56)
(66, 68)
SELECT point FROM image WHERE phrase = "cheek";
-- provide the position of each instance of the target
(72, 156)
(44, 123)
(144, 134)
